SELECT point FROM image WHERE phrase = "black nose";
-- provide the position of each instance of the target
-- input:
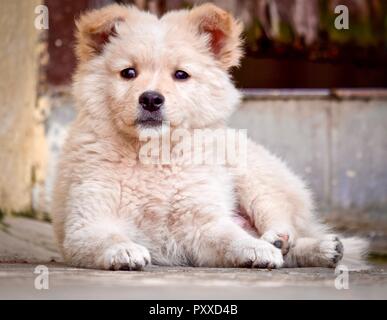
(151, 100)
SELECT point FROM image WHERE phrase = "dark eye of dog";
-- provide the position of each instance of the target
(181, 75)
(129, 73)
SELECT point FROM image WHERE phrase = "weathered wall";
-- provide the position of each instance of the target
(60, 113)
(18, 87)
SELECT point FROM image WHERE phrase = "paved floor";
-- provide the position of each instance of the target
(19, 281)
(25, 244)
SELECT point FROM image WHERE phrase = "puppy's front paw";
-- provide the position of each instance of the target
(257, 254)
(279, 239)
(331, 250)
(125, 256)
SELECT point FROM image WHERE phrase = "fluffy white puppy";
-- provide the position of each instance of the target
(112, 211)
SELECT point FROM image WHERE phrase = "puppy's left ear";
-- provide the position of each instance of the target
(223, 30)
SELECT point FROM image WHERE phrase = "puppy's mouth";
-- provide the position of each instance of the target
(150, 120)
(149, 123)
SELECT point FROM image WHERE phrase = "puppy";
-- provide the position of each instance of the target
(111, 211)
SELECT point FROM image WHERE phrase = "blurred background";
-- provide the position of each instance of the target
(289, 43)
(313, 94)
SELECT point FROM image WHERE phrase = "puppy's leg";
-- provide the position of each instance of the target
(101, 245)
(311, 252)
(276, 201)
(281, 209)
(90, 232)
(222, 243)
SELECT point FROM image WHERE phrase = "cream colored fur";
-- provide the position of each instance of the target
(113, 212)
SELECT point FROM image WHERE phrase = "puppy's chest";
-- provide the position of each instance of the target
(165, 189)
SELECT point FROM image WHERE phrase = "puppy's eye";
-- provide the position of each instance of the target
(129, 73)
(181, 75)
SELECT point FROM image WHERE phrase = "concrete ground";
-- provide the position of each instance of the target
(25, 244)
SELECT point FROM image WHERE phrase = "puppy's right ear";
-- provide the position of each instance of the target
(96, 27)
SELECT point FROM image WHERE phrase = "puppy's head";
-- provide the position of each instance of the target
(137, 70)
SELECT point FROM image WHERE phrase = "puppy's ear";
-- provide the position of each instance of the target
(95, 28)
(223, 30)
